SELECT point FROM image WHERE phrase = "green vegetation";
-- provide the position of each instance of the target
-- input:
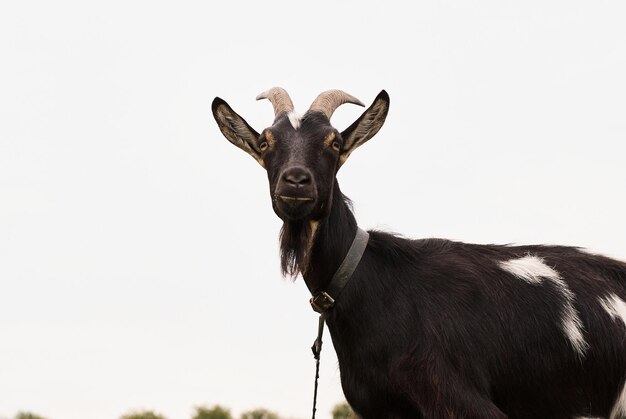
(259, 414)
(145, 414)
(343, 411)
(340, 411)
(28, 415)
(215, 412)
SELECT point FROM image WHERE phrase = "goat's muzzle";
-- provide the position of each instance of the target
(295, 193)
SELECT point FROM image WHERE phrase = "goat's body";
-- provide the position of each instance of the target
(447, 329)
(434, 328)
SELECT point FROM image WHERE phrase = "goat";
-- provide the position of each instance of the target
(434, 328)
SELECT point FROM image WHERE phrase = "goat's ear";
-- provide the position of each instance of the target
(236, 129)
(366, 126)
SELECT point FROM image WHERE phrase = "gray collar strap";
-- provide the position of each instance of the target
(325, 300)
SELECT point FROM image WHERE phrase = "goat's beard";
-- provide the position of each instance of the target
(296, 243)
(298, 236)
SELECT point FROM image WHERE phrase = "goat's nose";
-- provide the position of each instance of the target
(297, 177)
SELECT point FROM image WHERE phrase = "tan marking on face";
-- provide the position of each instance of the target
(269, 137)
(329, 138)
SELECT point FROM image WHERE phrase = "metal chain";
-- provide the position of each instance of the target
(317, 351)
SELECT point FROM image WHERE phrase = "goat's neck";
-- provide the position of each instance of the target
(330, 241)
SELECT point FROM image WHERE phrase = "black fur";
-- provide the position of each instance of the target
(434, 328)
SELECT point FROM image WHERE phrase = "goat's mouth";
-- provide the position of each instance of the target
(294, 199)
(294, 207)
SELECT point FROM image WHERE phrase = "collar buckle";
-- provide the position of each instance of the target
(322, 302)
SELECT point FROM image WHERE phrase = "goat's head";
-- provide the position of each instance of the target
(302, 154)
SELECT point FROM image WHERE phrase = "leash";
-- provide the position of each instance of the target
(325, 300)
(317, 351)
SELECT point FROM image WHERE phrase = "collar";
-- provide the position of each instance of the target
(325, 300)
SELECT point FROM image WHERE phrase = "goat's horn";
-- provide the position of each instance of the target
(280, 100)
(328, 101)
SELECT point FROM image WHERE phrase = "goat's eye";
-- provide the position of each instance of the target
(336, 146)
(263, 146)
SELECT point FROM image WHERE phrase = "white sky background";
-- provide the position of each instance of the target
(138, 248)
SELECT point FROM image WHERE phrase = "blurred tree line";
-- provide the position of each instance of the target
(340, 411)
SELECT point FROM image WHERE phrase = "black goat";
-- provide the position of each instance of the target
(434, 328)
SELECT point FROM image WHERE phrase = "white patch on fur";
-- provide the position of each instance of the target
(615, 306)
(295, 118)
(619, 408)
(533, 270)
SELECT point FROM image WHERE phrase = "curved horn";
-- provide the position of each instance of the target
(328, 101)
(280, 100)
